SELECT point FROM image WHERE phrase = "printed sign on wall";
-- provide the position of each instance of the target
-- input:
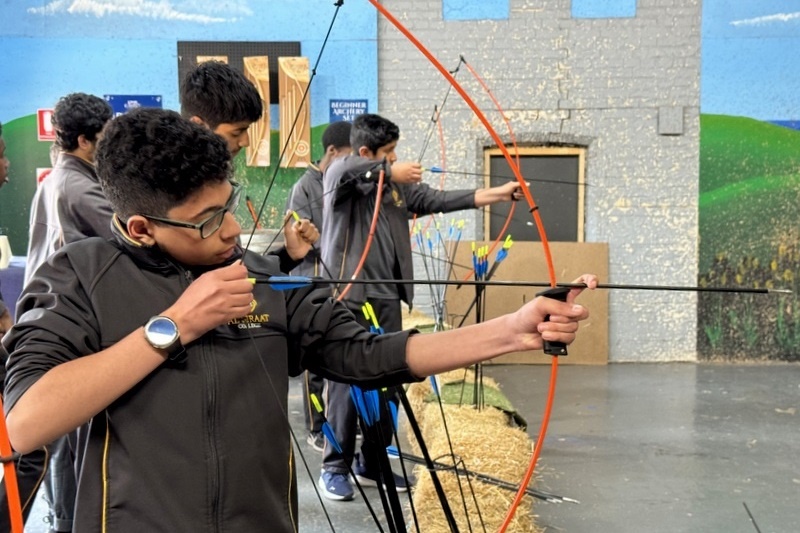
(346, 110)
(122, 103)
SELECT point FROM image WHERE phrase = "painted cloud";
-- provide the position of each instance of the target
(184, 11)
(767, 19)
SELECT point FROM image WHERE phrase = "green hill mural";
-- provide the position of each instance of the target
(749, 237)
(26, 153)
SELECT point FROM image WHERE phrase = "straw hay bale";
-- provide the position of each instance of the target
(487, 443)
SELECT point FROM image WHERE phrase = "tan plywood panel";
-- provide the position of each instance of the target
(203, 59)
(256, 69)
(293, 80)
(525, 262)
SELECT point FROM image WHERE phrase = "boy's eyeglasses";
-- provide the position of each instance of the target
(211, 224)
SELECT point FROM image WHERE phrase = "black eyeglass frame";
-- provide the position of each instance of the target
(205, 232)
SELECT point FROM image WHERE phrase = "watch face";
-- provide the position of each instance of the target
(161, 332)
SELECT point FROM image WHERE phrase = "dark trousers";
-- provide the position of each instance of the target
(30, 471)
(341, 412)
(313, 384)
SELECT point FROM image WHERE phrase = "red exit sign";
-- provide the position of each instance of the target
(45, 125)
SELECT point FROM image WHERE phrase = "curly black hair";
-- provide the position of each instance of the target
(218, 94)
(151, 160)
(79, 114)
(373, 132)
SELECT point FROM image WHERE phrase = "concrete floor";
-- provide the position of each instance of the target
(644, 448)
(666, 448)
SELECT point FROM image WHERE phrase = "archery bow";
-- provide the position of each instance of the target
(10, 477)
(537, 219)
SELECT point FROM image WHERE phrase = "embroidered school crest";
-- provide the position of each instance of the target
(398, 202)
(252, 320)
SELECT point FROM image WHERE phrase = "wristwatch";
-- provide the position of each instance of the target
(162, 333)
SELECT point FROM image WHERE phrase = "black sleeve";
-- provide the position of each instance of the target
(287, 264)
(55, 324)
(326, 339)
(424, 200)
(3, 361)
(360, 177)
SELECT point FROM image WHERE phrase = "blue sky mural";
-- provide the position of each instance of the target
(749, 62)
(129, 46)
(189, 19)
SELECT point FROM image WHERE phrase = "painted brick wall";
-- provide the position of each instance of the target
(612, 85)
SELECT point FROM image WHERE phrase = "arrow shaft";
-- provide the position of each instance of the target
(436, 170)
(486, 478)
(276, 280)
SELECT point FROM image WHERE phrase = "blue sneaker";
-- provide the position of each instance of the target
(335, 486)
(368, 477)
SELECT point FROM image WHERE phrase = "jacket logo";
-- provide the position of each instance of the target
(398, 202)
(253, 320)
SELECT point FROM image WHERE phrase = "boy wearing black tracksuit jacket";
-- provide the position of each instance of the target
(162, 349)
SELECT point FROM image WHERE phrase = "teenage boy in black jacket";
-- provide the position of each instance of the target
(215, 95)
(350, 186)
(172, 362)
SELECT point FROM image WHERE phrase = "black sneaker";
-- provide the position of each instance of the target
(316, 440)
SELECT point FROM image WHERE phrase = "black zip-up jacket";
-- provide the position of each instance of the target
(351, 184)
(201, 446)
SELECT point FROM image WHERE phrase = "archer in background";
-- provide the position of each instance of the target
(172, 363)
(220, 98)
(68, 206)
(305, 198)
(350, 187)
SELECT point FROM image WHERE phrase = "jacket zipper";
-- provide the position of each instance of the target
(211, 409)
